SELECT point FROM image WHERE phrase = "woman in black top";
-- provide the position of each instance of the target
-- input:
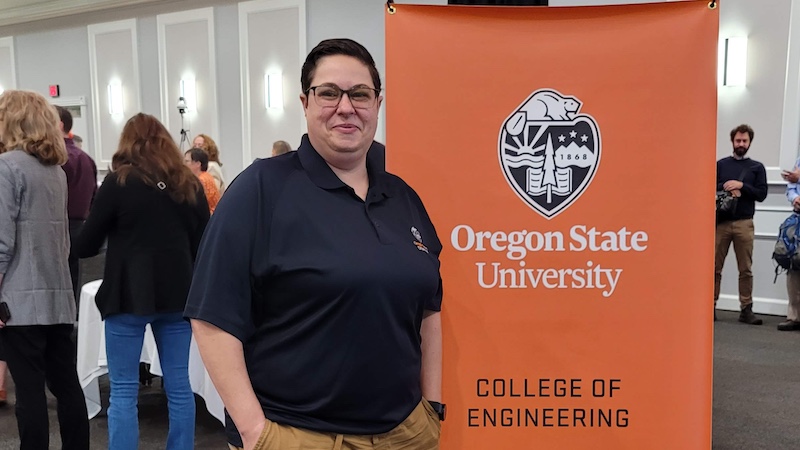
(152, 210)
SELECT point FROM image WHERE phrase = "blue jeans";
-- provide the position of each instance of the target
(124, 339)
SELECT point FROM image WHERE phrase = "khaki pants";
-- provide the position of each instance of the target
(742, 234)
(793, 291)
(420, 431)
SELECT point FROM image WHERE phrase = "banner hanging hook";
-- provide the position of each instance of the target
(390, 7)
(712, 4)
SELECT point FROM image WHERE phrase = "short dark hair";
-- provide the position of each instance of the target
(199, 155)
(743, 128)
(66, 118)
(330, 47)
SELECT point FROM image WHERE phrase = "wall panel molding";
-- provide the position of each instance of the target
(175, 63)
(761, 305)
(113, 57)
(249, 85)
(11, 68)
(790, 128)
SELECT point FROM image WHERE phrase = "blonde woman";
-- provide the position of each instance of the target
(34, 274)
(205, 142)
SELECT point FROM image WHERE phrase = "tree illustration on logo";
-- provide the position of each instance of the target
(549, 168)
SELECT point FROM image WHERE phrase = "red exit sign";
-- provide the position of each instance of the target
(54, 90)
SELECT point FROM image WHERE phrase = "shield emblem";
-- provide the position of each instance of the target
(549, 151)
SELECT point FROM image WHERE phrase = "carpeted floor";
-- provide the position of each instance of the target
(756, 385)
(153, 419)
(756, 393)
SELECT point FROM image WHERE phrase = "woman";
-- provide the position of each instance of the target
(316, 300)
(196, 160)
(152, 210)
(35, 283)
(214, 165)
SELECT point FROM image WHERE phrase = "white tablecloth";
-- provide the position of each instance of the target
(92, 358)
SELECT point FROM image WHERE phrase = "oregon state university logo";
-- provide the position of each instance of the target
(549, 151)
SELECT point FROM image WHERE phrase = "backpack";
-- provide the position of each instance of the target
(786, 248)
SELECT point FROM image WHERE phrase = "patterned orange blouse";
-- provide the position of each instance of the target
(212, 193)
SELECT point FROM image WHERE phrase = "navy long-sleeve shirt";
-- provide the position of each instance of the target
(753, 176)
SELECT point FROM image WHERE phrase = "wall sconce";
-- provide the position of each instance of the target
(189, 93)
(734, 67)
(273, 90)
(115, 98)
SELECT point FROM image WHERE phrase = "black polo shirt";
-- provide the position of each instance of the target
(325, 291)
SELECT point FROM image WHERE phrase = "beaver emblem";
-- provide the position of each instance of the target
(549, 151)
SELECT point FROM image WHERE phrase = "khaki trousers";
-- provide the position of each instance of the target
(420, 431)
(742, 234)
(793, 291)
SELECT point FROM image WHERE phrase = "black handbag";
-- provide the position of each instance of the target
(726, 202)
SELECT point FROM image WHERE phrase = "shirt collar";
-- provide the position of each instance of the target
(321, 174)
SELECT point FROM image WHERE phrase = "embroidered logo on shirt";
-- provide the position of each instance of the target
(418, 240)
(416, 234)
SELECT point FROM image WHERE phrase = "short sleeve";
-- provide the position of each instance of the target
(221, 291)
(435, 302)
(10, 199)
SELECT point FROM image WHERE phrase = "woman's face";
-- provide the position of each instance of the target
(199, 142)
(343, 132)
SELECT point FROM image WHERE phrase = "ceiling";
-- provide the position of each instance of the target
(21, 11)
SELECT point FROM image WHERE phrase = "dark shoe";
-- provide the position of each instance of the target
(789, 325)
(747, 316)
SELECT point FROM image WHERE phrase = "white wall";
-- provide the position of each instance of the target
(769, 106)
(229, 91)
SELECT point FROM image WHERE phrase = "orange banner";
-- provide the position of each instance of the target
(567, 159)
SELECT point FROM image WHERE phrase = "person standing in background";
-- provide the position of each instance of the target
(34, 274)
(153, 212)
(81, 174)
(792, 322)
(280, 148)
(196, 160)
(205, 142)
(746, 180)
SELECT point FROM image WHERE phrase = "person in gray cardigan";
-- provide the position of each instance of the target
(35, 281)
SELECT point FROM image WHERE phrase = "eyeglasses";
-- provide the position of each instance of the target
(329, 96)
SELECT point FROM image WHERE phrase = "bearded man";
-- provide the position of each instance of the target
(746, 180)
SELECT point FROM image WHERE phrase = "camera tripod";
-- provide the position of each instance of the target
(184, 133)
(184, 130)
